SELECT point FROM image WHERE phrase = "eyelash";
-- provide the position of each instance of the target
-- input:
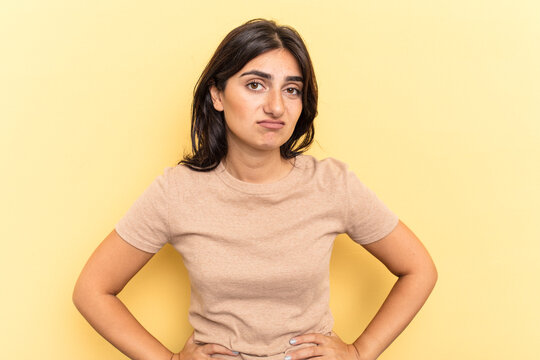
(253, 83)
(297, 91)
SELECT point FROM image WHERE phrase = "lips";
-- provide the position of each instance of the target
(271, 124)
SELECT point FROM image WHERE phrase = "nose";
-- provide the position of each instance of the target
(274, 104)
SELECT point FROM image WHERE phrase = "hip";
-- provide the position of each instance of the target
(278, 356)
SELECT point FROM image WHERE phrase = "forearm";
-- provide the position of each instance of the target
(110, 318)
(403, 302)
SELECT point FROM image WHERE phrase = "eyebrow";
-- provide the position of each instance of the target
(269, 77)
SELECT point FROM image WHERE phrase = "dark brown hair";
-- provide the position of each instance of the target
(241, 45)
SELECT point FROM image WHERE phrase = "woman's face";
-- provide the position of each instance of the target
(262, 102)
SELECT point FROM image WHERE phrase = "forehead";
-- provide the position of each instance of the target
(278, 63)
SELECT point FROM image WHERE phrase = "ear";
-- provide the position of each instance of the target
(216, 98)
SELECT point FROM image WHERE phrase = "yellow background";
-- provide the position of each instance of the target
(434, 104)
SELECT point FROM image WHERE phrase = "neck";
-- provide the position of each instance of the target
(258, 168)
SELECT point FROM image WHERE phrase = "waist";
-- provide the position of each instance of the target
(277, 356)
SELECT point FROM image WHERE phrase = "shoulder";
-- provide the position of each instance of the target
(328, 170)
(183, 171)
(182, 177)
(324, 165)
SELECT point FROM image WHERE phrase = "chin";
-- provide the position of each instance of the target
(269, 146)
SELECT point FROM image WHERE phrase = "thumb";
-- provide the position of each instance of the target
(210, 349)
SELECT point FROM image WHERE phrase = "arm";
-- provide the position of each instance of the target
(105, 274)
(405, 256)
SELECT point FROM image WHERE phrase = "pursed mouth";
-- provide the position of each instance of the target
(270, 122)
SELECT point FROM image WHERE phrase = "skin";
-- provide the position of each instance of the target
(248, 98)
(254, 156)
(405, 256)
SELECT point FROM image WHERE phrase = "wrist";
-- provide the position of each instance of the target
(365, 350)
(362, 354)
(354, 352)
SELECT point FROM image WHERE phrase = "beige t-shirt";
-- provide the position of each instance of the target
(257, 254)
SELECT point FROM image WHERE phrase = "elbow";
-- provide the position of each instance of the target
(425, 275)
(87, 295)
(428, 272)
(433, 271)
(77, 297)
(434, 276)
(431, 275)
(83, 296)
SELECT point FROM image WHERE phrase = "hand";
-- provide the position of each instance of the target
(193, 351)
(329, 347)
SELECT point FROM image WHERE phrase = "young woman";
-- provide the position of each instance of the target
(255, 220)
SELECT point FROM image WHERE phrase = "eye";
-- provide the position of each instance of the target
(293, 91)
(254, 85)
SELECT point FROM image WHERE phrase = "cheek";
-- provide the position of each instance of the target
(238, 107)
(296, 110)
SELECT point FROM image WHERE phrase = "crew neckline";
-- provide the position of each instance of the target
(283, 184)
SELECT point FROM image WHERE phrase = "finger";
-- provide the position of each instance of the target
(210, 349)
(304, 353)
(315, 338)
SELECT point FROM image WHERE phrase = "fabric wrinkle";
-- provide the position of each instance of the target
(278, 356)
(257, 255)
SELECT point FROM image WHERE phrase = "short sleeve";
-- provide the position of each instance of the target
(368, 219)
(146, 225)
